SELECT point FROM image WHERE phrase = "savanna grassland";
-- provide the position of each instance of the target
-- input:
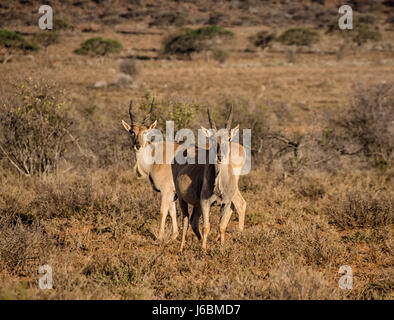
(320, 193)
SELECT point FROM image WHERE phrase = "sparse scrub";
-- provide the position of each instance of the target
(262, 39)
(257, 120)
(368, 19)
(365, 126)
(46, 38)
(99, 47)
(34, 126)
(299, 37)
(220, 55)
(14, 41)
(289, 282)
(23, 245)
(291, 56)
(319, 193)
(187, 41)
(356, 209)
(380, 288)
(176, 19)
(360, 34)
(101, 145)
(363, 34)
(62, 24)
(63, 199)
(180, 112)
(309, 188)
(130, 67)
(390, 20)
(219, 19)
(113, 274)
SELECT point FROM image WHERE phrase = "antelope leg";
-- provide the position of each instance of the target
(185, 222)
(174, 222)
(240, 206)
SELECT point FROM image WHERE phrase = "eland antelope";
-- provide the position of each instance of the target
(202, 185)
(160, 175)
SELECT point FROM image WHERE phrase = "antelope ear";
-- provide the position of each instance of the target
(234, 132)
(152, 126)
(206, 131)
(126, 126)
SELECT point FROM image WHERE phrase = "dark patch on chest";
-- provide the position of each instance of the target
(153, 184)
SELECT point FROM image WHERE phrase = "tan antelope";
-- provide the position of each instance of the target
(160, 175)
(203, 185)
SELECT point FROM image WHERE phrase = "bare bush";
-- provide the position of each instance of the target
(22, 245)
(220, 55)
(62, 199)
(130, 67)
(361, 209)
(262, 39)
(289, 281)
(379, 288)
(46, 38)
(365, 127)
(177, 19)
(360, 34)
(310, 188)
(34, 126)
(62, 24)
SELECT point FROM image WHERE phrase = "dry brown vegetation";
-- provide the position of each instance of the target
(319, 196)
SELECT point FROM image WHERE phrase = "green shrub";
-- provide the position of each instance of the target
(12, 40)
(170, 18)
(210, 32)
(62, 24)
(33, 128)
(262, 39)
(369, 19)
(360, 33)
(187, 41)
(299, 37)
(220, 55)
(99, 47)
(180, 112)
(46, 38)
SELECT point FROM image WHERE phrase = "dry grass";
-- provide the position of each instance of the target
(98, 232)
(96, 224)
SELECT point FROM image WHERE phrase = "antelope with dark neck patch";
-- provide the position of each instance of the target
(160, 175)
(203, 185)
